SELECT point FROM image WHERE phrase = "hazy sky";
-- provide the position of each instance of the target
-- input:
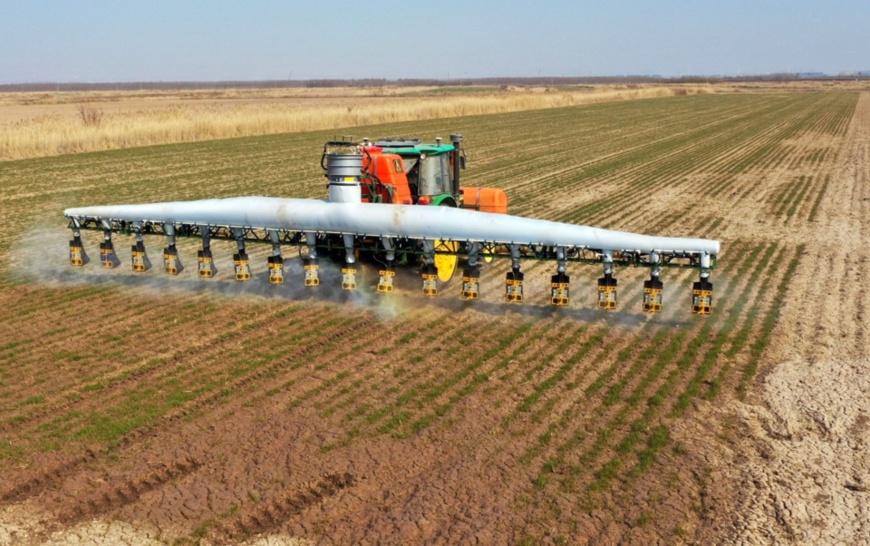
(162, 40)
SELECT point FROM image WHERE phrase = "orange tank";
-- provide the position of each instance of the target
(484, 199)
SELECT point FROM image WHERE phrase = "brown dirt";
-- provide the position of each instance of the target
(294, 451)
(795, 464)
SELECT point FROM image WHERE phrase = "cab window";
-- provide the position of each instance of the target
(435, 175)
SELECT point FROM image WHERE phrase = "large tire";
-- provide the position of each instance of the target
(446, 263)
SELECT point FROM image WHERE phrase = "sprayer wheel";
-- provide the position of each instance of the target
(446, 263)
(488, 255)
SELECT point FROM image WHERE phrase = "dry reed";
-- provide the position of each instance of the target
(122, 123)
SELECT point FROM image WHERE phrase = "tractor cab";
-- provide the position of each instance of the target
(429, 169)
(408, 171)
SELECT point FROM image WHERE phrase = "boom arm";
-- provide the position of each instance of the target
(383, 220)
(298, 221)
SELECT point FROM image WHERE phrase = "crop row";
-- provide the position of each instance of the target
(641, 440)
(586, 400)
(632, 193)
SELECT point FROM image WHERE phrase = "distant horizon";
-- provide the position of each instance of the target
(276, 40)
(492, 80)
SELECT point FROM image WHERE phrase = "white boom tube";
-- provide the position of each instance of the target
(397, 221)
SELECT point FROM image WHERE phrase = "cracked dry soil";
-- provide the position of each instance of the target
(797, 467)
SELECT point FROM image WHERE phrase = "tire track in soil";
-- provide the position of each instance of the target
(111, 496)
(286, 505)
(48, 477)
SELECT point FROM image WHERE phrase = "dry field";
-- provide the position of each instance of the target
(46, 124)
(140, 409)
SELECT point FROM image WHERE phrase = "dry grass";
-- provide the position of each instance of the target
(46, 124)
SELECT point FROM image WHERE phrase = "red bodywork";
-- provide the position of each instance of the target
(388, 183)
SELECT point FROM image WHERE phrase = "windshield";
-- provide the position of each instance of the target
(435, 175)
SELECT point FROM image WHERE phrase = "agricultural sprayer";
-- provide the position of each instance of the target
(396, 202)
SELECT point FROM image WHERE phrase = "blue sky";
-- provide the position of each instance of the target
(162, 40)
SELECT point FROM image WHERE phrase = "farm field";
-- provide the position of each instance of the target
(40, 124)
(143, 409)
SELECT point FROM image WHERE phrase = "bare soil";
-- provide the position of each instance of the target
(796, 464)
(324, 443)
